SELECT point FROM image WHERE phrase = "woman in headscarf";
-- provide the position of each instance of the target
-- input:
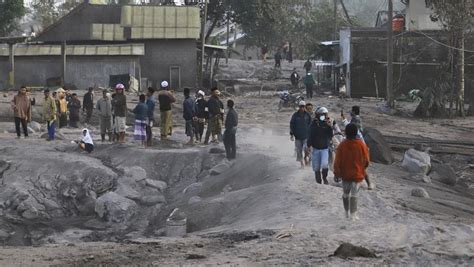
(86, 143)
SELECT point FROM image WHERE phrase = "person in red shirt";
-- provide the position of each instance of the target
(352, 160)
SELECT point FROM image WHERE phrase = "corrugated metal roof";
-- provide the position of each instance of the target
(77, 50)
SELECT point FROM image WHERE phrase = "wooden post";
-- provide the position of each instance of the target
(335, 19)
(376, 86)
(228, 32)
(390, 101)
(203, 41)
(11, 73)
(63, 57)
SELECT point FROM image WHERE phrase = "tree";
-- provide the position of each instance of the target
(10, 11)
(457, 18)
(45, 12)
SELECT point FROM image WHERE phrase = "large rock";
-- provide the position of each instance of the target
(419, 192)
(380, 151)
(157, 184)
(416, 161)
(220, 168)
(35, 126)
(115, 208)
(444, 173)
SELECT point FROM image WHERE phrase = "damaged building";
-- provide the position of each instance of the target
(95, 42)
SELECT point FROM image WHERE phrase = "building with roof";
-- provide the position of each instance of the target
(95, 41)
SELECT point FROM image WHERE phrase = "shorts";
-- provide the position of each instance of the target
(120, 124)
(350, 188)
(300, 147)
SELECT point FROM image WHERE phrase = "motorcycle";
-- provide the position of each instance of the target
(288, 100)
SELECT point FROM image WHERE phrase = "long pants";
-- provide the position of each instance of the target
(73, 122)
(51, 129)
(309, 91)
(149, 132)
(105, 124)
(300, 146)
(166, 123)
(24, 125)
(208, 134)
(320, 159)
(230, 144)
(88, 114)
(62, 120)
(199, 130)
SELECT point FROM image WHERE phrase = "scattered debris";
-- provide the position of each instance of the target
(285, 233)
(347, 250)
(195, 257)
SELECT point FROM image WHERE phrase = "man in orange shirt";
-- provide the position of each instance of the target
(352, 159)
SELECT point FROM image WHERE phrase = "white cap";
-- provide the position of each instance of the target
(120, 86)
(322, 110)
(200, 92)
(164, 84)
(302, 103)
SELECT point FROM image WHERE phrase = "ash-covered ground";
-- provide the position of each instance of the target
(62, 207)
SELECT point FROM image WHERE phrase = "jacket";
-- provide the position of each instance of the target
(166, 98)
(189, 109)
(201, 112)
(119, 104)
(151, 103)
(49, 109)
(104, 106)
(88, 101)
(309, 80)
(74, 107)
(141, 111)
(21, 105)
(352, 159)
(294, 78)
(299, 125)
(231, 120)
(214, 106)
(320, 135)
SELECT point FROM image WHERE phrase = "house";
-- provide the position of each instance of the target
(95, 41)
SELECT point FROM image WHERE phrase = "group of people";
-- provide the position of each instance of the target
(61, 108)
(315, 144)
(308, 79)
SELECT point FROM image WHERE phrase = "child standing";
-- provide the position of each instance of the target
(141, 116)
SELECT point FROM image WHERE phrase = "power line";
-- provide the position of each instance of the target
(443, 44)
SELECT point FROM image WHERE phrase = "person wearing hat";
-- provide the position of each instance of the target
(166, 100)
(74, 107)
(319, 139)
(104, 109)
(201, 115)
(62, 108)
(21, 105)
(49, 114)
(299, 129)
(151, 103)
(309, 83)
(119, 105)
(88, 104)
(216, 113)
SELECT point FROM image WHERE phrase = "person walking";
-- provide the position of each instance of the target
(119, 104)
(352, 160)
(308, 65)
(166, 99)
(189, 114)
(141, 118)
(49, 114)
(231, 123)
(216, 111)
(278, 58)
(309, 83)
(320, 136)
(104, 109)
(295, 79)
(88, 104)
(62, 109)
(151, 103)
(21, 105)
(201, 115)
(299, 129)
(74, 107)
(357, 121)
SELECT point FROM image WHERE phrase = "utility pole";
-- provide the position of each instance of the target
(203, 41)
(228, 32)
(390, 101)
(335, 20)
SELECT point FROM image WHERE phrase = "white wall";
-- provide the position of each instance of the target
(418, 17)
